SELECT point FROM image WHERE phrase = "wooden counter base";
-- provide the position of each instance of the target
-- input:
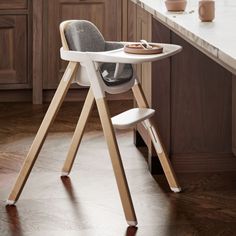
(192, 95)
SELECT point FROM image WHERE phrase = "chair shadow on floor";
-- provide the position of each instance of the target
(68, 187)
(130, 231)
(14, 221)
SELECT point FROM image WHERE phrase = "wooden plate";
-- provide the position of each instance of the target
(136, 48)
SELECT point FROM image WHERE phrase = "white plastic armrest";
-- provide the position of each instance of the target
(75, 56)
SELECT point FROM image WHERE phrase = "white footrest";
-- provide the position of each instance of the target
(131, 117)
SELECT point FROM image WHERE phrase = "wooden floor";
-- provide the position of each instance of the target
(87, 203)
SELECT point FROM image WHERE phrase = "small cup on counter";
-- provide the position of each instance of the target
(206, 10)
(176, 5)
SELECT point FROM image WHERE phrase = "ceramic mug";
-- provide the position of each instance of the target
(206, 10)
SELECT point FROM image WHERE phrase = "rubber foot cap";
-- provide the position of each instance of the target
(64, 174)
(132, 223)
(10, 203)
(176, 190)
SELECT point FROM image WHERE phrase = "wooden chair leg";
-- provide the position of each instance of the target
(116, 161)
(41, 134)
(76, 139)
(155, 137)
(164, 160)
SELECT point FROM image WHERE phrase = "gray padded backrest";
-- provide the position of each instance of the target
(84, 36)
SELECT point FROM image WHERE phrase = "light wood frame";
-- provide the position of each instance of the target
(110, 138)
(109, 133)
(42, 132)
(155, 137)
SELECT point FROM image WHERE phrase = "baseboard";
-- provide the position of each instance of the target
(80, 95)
(189, 162)
(25, 95)
(204, 162)
(234, 151)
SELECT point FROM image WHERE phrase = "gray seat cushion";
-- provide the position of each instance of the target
(125, 76)
(84, 36)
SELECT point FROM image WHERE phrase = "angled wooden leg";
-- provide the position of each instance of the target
(164, 160)
(41, 134)
(116, 161)
(155, 137)
(76, 139)
(139, 96)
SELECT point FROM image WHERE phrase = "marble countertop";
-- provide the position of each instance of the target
(216, 39)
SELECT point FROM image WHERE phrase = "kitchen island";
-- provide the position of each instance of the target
(216, 39)
(194, 92)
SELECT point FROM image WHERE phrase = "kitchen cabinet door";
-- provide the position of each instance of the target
(143, 31)
(13, 4)
(13, 51)
(105, 14)
(155, 80)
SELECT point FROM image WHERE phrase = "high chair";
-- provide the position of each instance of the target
(105, 68)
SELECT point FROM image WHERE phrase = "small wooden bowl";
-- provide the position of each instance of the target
(136, 48)
(176, 5)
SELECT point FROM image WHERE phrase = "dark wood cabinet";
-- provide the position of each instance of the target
(13, 4)
(201, 102)
(143, 31)
(105, 14)
(15, 47)
(154, 77)
(30, 64)
(192, 96)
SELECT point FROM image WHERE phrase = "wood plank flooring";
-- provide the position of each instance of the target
(87, 203)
